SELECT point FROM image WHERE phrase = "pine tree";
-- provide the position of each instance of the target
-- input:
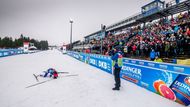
(8, 42)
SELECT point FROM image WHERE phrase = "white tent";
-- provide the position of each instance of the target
(32, 48)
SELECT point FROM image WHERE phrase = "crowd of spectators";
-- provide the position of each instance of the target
(165, 37)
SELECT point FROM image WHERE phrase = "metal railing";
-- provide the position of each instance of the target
(173, 2)
(126, 20)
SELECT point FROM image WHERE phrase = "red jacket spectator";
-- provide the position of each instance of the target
(134, 47)
(87, 50)
(188, 32)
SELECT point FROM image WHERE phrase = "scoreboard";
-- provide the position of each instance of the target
(152, 7)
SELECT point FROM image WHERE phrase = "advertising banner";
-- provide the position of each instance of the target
(164, 66)
(82, 57)
(101, 62)
(168, 80)
(1, 54)
(19, 52)
(6, 53)
(181, 88)
(169, 84)
(183, 62)
(74, 54)
(78, 56)
(9, 52)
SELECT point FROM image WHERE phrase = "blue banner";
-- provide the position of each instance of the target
(10, 52)
(82, 57)
(181, 89)
(164, 66)
(168, 80)
(99, 61)
(146, 76)
(102, 62)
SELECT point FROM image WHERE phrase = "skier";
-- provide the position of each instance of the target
(117, 63)
(55, 74)
(49, 73)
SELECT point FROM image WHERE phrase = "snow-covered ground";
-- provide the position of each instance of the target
(91, 88)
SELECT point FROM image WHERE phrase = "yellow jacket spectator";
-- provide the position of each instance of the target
(157, 59)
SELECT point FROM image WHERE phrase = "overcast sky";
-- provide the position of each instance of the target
(49, 19)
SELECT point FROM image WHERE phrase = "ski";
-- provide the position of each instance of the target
(36, 77)
(62, 72)
(47, 80)
(70, 75)
(38, 83)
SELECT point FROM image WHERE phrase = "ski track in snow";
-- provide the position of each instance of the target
(91, 88)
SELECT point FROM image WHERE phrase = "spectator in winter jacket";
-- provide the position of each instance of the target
(134, 48)
(111, 52)
(187, 32)
(152, 55)
(125, 50)
(167, 49)
(157, 59)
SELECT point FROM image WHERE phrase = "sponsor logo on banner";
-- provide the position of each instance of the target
(134, 62)
(181, 88)
(5, 53)
(125, 61)
(92, 61)
(151, 64)
(178, 69)
(102, 64)
(130, 79)
(12, 52)
(184, 86)
(1, 54)
(80, 57)
(87, 59)
(141, 63)
(132, 72)
(145, 85)
(76, 56)
(163, 66)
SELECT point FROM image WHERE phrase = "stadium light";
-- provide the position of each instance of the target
(71, 22)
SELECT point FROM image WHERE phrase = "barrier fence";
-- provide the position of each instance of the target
(168, 80)
(10, 52)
